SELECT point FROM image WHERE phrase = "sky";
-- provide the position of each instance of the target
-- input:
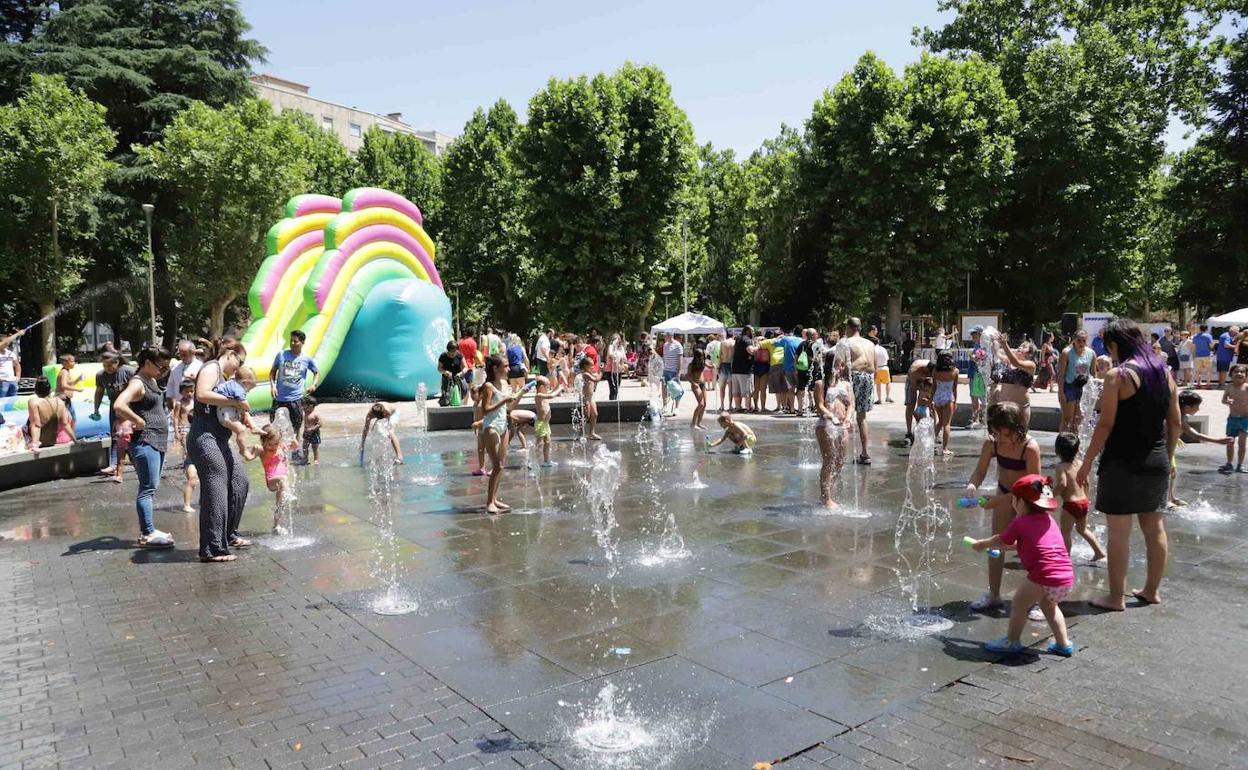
(739, 69)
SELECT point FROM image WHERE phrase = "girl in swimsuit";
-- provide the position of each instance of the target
(1017, 455)
(834, 406)
(945, 400)
(496, 396)
(1014, 384)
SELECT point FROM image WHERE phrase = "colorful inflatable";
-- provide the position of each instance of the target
(357, 275)
(15, 414)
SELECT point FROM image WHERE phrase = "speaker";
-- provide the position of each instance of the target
(1070, 324)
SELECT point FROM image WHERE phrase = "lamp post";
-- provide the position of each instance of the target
(667, 305)
(684, 251)
(457, 284)
(151, 288)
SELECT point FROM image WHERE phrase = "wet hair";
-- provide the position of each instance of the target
(308, 401)
(1239, 369)
(268, 433)
(1006, 416)
(491, 362)
(1125, 334)
(1067, 446)
(298, 335)
(154, 355)
(379, 409)
(1188, 398)
(944, 361)
(42, 387)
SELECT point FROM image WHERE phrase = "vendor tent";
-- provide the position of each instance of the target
(689, 323)
(1234, 318)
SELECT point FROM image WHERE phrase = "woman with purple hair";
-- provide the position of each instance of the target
(1135, 440)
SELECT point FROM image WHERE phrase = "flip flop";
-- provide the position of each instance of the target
(1144, 599)
(1101, 606)
(240, 542)
(218, 559)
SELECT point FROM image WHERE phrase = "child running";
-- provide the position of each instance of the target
(276, 468)
(740, 434)
(1189, 404)
(1050, 575)
(1074, 495)
(1017, 455)
(181, 427)
(1236, 398)
(236, 388)
(311, 430)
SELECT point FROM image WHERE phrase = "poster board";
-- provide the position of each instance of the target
(970, 318)
(1092, 323)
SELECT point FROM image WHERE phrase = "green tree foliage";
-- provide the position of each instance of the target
(902, 175)
(766, 275)
(402, 163)
(1208, 198)
(333, 170)
(232, 170)
(485, 245)
(54, 147)
(727, 238)
(604, 161)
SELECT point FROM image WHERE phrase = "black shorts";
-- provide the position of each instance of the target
(515, 372)
(762, 368)
(312, 437)
(803, 379)
(294, 410)
(540, 368)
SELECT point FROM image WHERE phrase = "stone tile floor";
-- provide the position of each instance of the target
(757, 647)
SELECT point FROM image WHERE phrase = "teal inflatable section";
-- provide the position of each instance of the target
(394, 342)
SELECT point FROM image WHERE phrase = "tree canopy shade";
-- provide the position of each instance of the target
(485, 245)
(232, 170)
(54, 147)
(402, 163)
(603, 160)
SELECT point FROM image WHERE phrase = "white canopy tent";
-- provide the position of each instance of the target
(689, 323)
(1234, 318)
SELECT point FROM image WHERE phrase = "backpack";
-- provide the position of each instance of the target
(803, 362)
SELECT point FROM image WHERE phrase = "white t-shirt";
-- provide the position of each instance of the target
(881, 357)
(542, 351)
(941, 342)
(8, 357)
(672, 351)
(181, 372)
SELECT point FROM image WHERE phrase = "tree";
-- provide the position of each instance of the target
(604, 161)
(485, 245)
(904, 174)
(402, 163)
(333, 170)
(767, 271)
(54, 147)
(232, 170)
(726, 239)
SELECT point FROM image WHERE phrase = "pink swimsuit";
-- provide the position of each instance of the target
(274, 465)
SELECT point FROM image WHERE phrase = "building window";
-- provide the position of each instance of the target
(353, 129)
(386, 129)
(327, 123)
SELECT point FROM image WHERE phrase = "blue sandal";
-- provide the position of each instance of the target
(1004, 646)
(1064, 650)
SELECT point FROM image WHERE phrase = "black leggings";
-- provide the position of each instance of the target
(223, 484)
(613, 385)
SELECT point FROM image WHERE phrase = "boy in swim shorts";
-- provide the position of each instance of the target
(1074, 495)
(740, 434)
(541, 425)
(1236, 397)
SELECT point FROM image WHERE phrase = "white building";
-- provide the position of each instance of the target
(347, 123)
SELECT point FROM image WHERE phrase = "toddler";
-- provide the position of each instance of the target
(1236, 398)
(1189, 404)
(589, 381)
(377, 413)
(923, 398)
(236, 388)
(1074, 495)
(273, 458)
(181, 426)
(311, 430)
(541, 424)
(1050, 575)
(740, 434)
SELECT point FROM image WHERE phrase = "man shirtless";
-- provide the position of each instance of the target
(862, 378)
(919, 369)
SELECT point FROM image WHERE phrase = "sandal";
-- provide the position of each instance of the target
(1004, 646)
(863, 460)
(987, 602)
(1058, 649)
(240, 542)
(217, 559)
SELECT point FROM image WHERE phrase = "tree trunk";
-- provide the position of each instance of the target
(216, 318)
(645, 313)
(48, 329)
(893, 317)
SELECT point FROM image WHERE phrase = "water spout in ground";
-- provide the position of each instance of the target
(601, 487)
(393, 599)
(425, 472)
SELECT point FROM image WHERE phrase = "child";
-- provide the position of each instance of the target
(945, 398)
(1074, 495)
(311, 430)
(740, 434)
(273, 458)
(380, 411)
(589, 381)
(1050, 575)
(1101, 366)
(181, 426)
(1236, 397)
(923, 397)
(541, 423)
(236, 388)
(496, 396)
(1017, 455)
(125, 430)
(1189, 404)
(68, 379)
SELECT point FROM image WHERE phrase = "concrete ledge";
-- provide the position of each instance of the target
(1046, 418)
(57, 462)
(460, 417)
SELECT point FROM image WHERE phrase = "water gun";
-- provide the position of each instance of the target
(530, 385)
(969, 542)
(972, 502)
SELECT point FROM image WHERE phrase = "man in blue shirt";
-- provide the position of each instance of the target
(1098, 342)
(1202, 351)
(1226, 353)
(789, 343)
(287, 378)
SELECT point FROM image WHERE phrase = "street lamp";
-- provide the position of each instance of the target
(151, 288)
(667, 307)
(457, 284)
(685, 266)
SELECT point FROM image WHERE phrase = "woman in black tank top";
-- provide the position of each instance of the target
(223, 485)
(1134, 441)
(143, 403)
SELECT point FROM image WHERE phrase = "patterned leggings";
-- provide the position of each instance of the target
(223, 484)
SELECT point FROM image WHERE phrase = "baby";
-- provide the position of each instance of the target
(740, 434)
(236, 388)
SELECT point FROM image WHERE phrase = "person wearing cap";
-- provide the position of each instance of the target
(1042, 552)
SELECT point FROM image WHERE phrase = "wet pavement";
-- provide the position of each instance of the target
(768, 640)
